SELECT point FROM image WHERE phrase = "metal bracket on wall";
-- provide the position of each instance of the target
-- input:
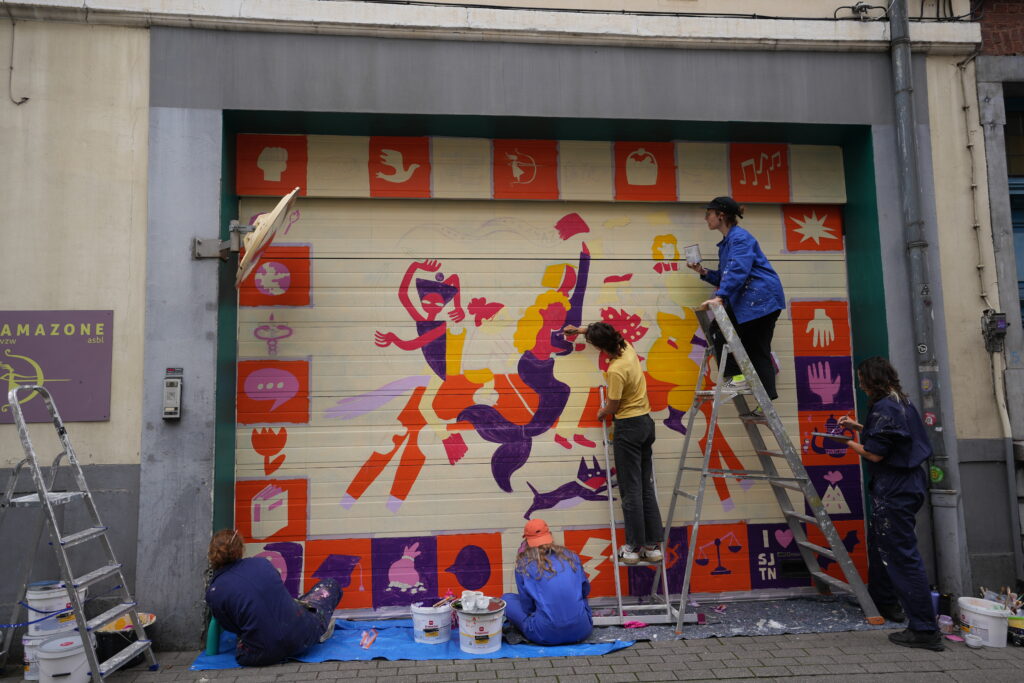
(218, 248)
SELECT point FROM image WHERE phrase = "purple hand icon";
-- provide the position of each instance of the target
(822, 383)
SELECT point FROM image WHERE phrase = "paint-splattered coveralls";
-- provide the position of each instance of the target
(551, 609)
(753, 296)
(249, 600)
(894, 431)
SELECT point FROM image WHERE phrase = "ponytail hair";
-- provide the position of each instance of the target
(225, 548)
(606, 338)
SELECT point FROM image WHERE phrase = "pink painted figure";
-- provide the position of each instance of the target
(403, 575)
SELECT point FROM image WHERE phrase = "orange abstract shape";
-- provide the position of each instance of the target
(759, 172)
(270, 165)
(267, 442)
(455, 448)
(399, 167)
(525, 169)
(813, 228)
(645, 171)
(721, 560)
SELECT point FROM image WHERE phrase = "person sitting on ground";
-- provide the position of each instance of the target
(551, 607)
(248, 598)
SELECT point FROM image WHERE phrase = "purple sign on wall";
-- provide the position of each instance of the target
(67, 352)
(775, 560)
(824, 383)
(404, 570)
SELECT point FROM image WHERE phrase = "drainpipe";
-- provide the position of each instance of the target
(952, 568)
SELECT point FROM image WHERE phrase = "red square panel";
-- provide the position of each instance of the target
(594, 547)
(346, 560)
(270, 165)
(281, 278)
(469, 562)
(759, 172)
(721, 560)
(816, 450)
(272, 392)
(851, 532)
(821, 328)
(645, 171)
(813, 228)
(399, 167)
(272, 509)
(525, 169)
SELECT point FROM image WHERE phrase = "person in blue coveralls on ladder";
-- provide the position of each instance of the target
(247, 597)
(894, 445)
(551, 607)
(749, 288)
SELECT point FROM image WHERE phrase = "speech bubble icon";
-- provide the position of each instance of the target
(271, 384)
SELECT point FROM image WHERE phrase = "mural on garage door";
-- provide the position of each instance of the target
(405, 400)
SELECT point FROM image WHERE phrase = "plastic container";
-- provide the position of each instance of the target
(432, 625)
(985, 619)
(945, 623)
(1015, 630)
(118, 635)
(30, 645)
(480, 631)
(44, 597)
(62, 660)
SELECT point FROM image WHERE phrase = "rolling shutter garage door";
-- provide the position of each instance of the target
(403, 407)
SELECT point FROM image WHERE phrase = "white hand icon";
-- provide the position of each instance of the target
(819, 377)
(822, 329)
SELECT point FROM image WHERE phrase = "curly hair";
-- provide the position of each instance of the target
(539, 557)
(606, 338)
(225, 548)
(878, 378)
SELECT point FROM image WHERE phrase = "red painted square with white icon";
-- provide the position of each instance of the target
(813, 227)
(281, 278)
(399, 167)
(820, 450)
(645, 171)
(469, 562)
(852, 534)
(271, 509)
(272, 392)
(759, 172)
(721, 559)
(594, 547)
(525, 169)
(270, 165)
(346, 560)
(821, 328)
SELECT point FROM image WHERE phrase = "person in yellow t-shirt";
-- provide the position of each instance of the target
(634, 441)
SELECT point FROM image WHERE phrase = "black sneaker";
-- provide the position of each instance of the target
(925, 640)
(892, 612)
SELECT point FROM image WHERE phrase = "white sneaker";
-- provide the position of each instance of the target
(651, 553)
(628, 554)
(735, 386)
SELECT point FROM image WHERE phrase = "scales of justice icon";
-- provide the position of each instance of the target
(733, 546)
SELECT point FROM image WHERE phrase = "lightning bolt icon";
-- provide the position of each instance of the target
(595, 549)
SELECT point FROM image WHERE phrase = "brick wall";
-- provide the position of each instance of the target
(1002, 27)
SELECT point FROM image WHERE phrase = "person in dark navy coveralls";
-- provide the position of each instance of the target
(248, 599)
(894, 445)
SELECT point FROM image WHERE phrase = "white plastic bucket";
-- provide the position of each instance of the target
(432, 625)
(62, 660)
(30, 645)
(480, 632)
(45, 597)
(985, 619)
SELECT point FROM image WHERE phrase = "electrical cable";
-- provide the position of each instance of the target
(10, 72)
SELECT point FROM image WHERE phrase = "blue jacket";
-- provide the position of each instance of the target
(894, 430)
(746, 280)
(556, 604)
(248, 599)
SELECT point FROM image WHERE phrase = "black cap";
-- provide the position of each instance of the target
(726, 205)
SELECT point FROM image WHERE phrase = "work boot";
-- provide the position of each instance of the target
(925, 640)
(892, 612)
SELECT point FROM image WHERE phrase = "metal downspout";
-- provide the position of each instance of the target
(952, 568)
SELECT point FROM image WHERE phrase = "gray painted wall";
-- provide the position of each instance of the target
(175, 517)
(197, 74)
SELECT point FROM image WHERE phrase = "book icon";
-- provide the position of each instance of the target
(269, 511)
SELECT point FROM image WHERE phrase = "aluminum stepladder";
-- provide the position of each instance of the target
(798, 481)
(47, 499)
(655, 608)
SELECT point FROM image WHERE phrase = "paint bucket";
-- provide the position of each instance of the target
(62, 660)
(46, 597)
(480, 631)
(431, 625)
(118, 635)
(1015, 630)
(985, 619)
(30, 645)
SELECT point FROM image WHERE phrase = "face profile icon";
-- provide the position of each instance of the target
(272, 161)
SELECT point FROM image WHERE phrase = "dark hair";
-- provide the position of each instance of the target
(606, 338)
(225, 548)
(879, 379)
(728, 207)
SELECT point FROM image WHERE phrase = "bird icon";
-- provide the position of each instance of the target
(394, 160)
(850, 541)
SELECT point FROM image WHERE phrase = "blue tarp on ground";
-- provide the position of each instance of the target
(395, 641)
